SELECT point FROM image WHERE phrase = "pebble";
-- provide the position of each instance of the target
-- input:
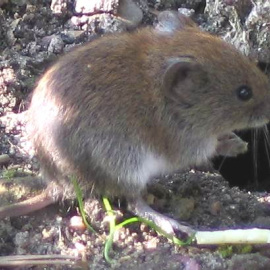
(21, 239)
(94, 6)
(76, 223)
(56, 45)
(4, 158)
(72, 36)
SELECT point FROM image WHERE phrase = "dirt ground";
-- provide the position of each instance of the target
(32, 35)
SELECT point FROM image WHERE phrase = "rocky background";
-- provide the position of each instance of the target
(32, 35)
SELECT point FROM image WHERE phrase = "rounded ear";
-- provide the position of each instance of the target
(182, 75)
(170, 21)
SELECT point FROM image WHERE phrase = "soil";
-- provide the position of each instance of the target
(33, 34)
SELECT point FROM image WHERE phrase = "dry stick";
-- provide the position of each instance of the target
(22, 260)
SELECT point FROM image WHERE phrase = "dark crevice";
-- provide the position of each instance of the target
(241, 171)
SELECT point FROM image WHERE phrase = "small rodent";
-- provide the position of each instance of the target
(122, 109)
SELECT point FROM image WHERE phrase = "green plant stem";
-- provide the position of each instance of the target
(114, 228)
(79, 197)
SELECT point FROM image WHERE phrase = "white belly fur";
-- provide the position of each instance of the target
(151, 165)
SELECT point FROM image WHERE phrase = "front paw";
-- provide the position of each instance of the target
(230, 145)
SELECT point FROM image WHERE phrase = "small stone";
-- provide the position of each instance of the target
(76, 222)
(80, 247)
(187, 12)
(72, 36)
(215, 207)
(59, 6)
(183, 207)
(150, 199)
(22, 239)
(94, 6)
(4, 158)
(56, 45)
(12, 151)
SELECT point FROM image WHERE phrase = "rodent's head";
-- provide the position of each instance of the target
(211, 84)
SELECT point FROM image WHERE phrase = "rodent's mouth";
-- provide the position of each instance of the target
(258, 122)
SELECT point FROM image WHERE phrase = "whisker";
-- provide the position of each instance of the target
(267, 152)
(266, 135)
(254, 139)
(266, 143)
(222, 162)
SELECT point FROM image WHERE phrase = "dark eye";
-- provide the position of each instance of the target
(244, 93)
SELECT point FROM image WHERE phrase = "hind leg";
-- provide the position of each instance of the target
(168, 225)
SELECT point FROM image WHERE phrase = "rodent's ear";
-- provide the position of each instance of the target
(182, 75)
(170, 21)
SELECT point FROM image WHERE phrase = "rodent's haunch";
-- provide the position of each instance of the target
(122, 109)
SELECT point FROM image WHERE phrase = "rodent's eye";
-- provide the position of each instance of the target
(244, 93)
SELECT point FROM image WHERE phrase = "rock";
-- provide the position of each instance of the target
(186, 11)
(257, 24)
(4, 159)
(95, 6)
(59, 6)
(56, 45)
(175, 4)
(244, 25)
(10, 33)
(72, 36)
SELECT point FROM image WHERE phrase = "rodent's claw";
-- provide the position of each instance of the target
(172, 226)
(166, 224)
(230, 145)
